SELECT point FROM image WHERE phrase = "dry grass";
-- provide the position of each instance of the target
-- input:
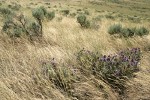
(21, 76)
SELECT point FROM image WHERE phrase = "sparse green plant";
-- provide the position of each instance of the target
(34, 29)
(94, 24)
(86, 12)
(47, 3)
(108, 16)
(115, 29)
(11, 28)
(127, 32)
(65, 12)
(82, 20)
(39, 14)
(50, 15)
(141, 31)
(6, 11)
(15, 6)
(73, 14)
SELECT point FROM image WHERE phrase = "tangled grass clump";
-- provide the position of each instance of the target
(61, 76)
(113, 69)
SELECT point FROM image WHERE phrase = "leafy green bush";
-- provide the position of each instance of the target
(115, 29)
(112, 68)
(82, 20)
(50, 15)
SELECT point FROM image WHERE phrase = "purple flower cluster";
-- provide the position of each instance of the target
(123, 63)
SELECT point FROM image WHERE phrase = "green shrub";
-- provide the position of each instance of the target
(141, 31)
(12, 29)
(82, 20)
(34, 29)
(5, 11)
(86, 12)
(43, 9)
(115, 29)
(50, 15)
(39, 14)
(127, 32)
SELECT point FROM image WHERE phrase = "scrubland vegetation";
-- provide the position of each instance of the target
(75, 50)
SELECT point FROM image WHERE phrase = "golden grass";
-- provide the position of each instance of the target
(21, 75)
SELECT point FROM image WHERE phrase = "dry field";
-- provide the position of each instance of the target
(23, 75)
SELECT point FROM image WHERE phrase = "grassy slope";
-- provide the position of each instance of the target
(20, 62)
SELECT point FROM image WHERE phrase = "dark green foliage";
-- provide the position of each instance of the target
(82, 20)
(115, 29)
(50, 15)
(112, 68)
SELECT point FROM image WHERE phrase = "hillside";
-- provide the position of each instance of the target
(47, 54)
